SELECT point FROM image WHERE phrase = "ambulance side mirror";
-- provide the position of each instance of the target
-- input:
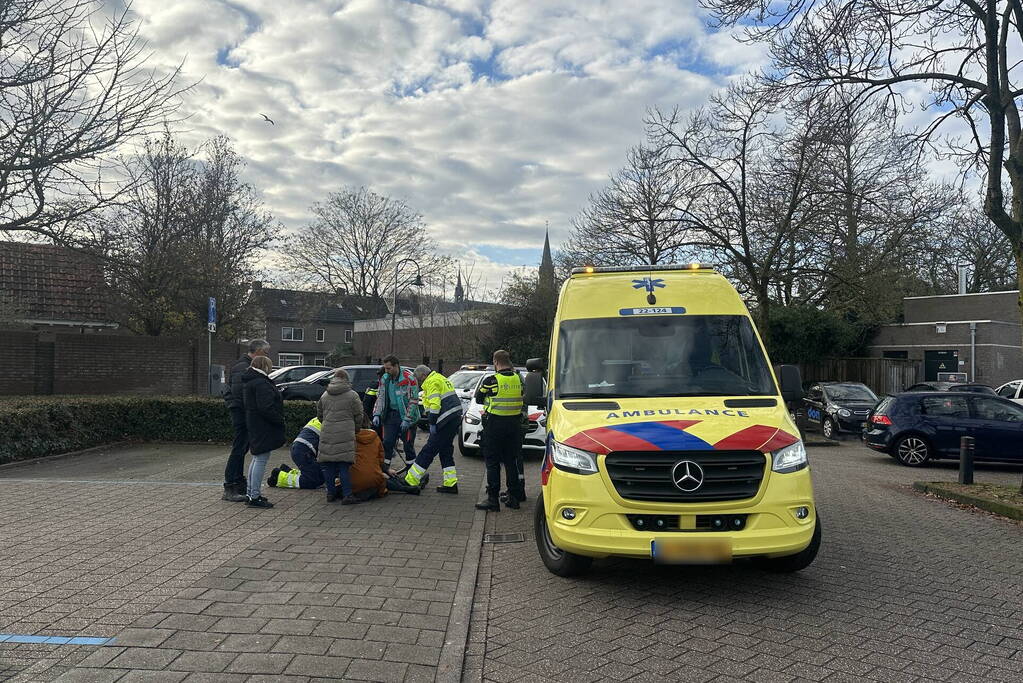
(791, 383)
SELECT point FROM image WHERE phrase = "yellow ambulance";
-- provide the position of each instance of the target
(668, 435)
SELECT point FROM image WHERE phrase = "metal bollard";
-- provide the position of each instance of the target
(966, 460)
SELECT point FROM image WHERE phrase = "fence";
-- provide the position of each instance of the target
(882, 375)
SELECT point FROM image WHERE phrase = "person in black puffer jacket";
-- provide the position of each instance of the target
(235, 486)
(264, 418)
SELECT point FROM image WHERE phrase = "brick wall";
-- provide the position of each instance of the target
(46, 363)
(17, 362)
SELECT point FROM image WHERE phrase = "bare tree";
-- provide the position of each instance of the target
(187, 229)
(73, 86)
(635, 219)
(355, 242)
(964, 51)
(747, 187)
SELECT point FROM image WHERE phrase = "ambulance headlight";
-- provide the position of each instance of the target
(573, 459)
(789, 459)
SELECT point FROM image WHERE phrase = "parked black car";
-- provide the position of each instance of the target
(294, 373)
(839, 406)
(916, 427)
(949, 386)
(313, 386)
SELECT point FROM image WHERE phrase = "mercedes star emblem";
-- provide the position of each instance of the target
(687, 476)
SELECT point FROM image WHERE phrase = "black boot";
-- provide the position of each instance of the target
(231, 494)
(272, 479)
(284, 468)
(490, 503)
(512, 503)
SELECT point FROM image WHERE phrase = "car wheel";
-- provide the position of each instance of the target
(557, 561)
(829, 429)
(912, 451)
(794, 563)
(467, 451)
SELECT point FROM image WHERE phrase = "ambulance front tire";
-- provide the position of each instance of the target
(794, 563)
(557, 561)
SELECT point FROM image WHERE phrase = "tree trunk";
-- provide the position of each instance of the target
(1017, 254)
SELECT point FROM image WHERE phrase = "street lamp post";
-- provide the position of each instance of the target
(415, 282)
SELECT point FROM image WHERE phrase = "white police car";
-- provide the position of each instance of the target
(472, 425)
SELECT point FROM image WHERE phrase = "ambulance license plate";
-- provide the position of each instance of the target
(691, 550)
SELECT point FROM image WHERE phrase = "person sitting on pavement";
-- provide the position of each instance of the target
(369, 478)
(444, 408)
(264, 419)
(396, 411)
(303, 454)
(340, 412)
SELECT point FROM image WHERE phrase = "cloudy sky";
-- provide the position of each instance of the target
(490, 117)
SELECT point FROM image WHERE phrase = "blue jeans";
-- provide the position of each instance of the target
(392, 432)
(337, 470)
(257, 468)
(312, 475)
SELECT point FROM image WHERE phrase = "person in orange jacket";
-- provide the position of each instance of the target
(370, 478)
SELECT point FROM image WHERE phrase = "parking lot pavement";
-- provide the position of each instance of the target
(905, 588)
(135, 544)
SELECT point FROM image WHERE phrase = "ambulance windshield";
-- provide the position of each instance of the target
(669, 355)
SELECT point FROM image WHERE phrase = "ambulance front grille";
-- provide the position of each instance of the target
(647, 475)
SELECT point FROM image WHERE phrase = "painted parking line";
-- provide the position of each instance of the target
(129, 482)
(53, 640)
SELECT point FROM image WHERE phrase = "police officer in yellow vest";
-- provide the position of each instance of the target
(503, 413)
(444, 410)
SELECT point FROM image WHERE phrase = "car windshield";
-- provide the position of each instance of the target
(701, 355)
(465, 379)
(319, 375)
(849, 392)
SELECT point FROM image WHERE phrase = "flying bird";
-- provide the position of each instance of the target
(268, 119)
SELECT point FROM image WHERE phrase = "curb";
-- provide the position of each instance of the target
(1003, 509)
(456, 638)
(72, 454)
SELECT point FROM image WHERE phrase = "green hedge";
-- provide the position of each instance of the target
(35, 427)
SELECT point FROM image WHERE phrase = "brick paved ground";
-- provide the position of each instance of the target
(197, 589)
(905, 588)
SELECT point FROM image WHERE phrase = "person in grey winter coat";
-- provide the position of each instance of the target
(340, 413)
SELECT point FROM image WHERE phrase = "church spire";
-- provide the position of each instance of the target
(546, 273)
(459, 291)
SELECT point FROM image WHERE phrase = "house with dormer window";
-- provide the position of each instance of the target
(304, 328)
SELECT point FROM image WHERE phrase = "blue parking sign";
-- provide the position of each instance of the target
(212, 318)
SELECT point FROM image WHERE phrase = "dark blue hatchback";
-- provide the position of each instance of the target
(917, 427)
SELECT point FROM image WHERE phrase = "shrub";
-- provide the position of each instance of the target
(35, 427)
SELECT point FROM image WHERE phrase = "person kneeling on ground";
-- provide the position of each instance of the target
(340, 412)
(303, 454)
(369, 477)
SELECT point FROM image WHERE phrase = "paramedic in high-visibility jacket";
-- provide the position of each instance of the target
(444, 410)
(303, 453)
(396, 411)
(503, 414)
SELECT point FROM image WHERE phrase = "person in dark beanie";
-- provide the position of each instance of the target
(264, 418)
(235, 486)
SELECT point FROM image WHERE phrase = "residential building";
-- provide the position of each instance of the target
(975, 334)
(46, 287)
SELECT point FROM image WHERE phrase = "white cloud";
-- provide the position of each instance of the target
(489, 117)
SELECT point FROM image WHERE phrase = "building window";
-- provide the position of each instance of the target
(321, 335)
(348, 336)
(292, 334)
(320, 360)
(286, 359)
